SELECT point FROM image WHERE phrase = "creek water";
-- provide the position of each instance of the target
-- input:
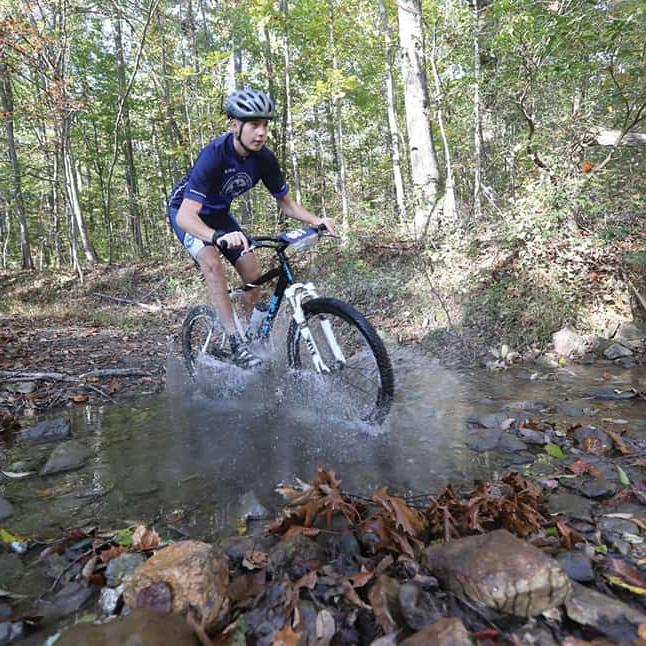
(196, 459)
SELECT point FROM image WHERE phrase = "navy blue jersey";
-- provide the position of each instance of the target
(220, 174)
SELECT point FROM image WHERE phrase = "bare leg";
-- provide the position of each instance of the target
(248, 268)
(216, 283)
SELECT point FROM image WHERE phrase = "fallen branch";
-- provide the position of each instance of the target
(59, 376)
(640, 298)
(150, 308)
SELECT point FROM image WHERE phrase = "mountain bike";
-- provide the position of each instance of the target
(326, 337)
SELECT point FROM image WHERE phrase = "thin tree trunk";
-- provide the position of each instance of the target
(449, 207)
(72, 192)
(131, 178)
(400, 200)
(337, 126)
(477, 114)
(7, 107)
(423, 160)
(288, 103)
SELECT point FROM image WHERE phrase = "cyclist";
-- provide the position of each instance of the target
(199, 206)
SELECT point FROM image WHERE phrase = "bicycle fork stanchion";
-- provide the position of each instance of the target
(296, 294)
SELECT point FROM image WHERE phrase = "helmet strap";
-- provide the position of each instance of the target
(239, 137)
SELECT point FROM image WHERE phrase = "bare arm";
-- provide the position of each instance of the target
(188, 219)
(293, 209)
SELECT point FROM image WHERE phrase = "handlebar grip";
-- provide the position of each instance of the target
(223, 246)
(321, 227)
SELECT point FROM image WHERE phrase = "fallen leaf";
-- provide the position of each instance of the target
(325, 627)
(144, 538)
(383, 595)
(113, 386)
(247, 586)
(79, 399)
(255, 560)
(17, 475)
(111, 553)
(580, 467)
(286, 637)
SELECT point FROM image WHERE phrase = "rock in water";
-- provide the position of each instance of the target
(502, 572)
(66, 457)
(141, 627)
(197, 574)
(49, 431)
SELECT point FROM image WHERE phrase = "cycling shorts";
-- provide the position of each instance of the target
(225, 224)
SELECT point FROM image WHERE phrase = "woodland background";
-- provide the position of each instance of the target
(484, 158)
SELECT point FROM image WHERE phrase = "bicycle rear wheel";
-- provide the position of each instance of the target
(202, 333)
(363, 385)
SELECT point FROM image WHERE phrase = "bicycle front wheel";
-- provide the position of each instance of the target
(203, 334)
(358, 370)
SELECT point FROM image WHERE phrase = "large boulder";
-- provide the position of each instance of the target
(196, 573)
(67, 456)
(568, 343)
(502, 572)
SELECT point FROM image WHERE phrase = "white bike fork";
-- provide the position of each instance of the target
(296, 294)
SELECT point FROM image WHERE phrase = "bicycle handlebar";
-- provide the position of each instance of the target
(276, 240)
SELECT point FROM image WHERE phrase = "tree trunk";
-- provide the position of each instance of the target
(130, 173)
(477, 114)
(288, 104)
(337, 127)
(392, 118)
(72, 193)
(7, 107)
(449, 208)
(423, 160)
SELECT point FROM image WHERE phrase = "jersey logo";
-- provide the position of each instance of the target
(236, 185)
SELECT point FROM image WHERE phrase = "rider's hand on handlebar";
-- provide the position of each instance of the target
(329, 225)
(233, 240)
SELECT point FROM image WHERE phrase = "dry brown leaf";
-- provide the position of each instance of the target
(107, 555)
(255, 560)
(361, 578)
(620, 445)
(286, 637)
(307, 581)
(383, 594)
(144, 538)
(79, 399)
(405, 517)
(581, 467)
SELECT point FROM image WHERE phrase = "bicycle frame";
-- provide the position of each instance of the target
(296, 294)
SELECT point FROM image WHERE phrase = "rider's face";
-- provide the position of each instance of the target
(254, 133)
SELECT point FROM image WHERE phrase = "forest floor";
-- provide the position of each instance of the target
(107, 338)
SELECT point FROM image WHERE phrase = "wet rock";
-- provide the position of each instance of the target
(49, 431)
(66, 457)
(519, 458)
(121, 568)
(612, 528)
(609, 616)
(610, 394)
(485, 440)
(109, 599)
(528, 406)
(196, 573)
(597, 488)
(499, 421)
(501, 571)
(577, 408)
(141, 627)
(577, 566)
(10, 631)
(616, 351)
(11, 569)
(251, 507)
(448, 631)
(571, 505)
(295, 556)
(625, 362)
(592, 440)
(532, 436)
(70, 598)
(417, 606)
(6, 508)
(509, 442)
(568, 343)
